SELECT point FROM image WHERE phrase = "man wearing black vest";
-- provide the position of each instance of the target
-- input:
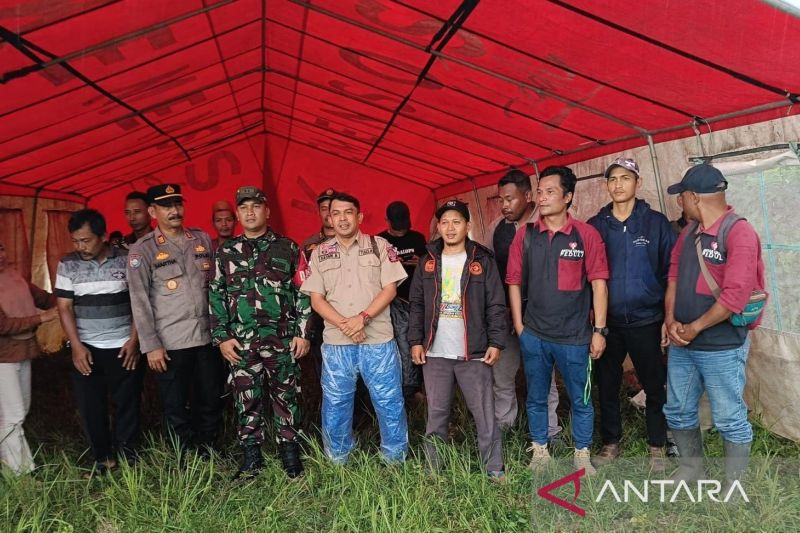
(565, 266)
(518, 208)
(709, 344)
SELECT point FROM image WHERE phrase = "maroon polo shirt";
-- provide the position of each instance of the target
(738, 273)
(561, 267)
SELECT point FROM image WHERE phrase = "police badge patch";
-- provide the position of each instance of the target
(134, 261)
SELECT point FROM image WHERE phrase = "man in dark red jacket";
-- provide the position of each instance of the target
(457, 328)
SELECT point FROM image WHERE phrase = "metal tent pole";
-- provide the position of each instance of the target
(657, 174)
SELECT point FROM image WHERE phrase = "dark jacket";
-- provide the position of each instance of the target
(638, 253)
(483, 300)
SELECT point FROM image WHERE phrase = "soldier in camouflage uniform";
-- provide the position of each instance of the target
(259, 319)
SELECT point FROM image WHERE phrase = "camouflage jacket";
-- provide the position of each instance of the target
(254, 296)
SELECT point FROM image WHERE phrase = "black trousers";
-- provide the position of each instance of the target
(311, 375)
(191, 394)
(91, 394)
(644, 346)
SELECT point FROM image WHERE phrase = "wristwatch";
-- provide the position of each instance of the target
(366, 317)
(601, 331)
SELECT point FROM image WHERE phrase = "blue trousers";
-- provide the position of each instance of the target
(538, 357)
(722, 375)
(379, 367)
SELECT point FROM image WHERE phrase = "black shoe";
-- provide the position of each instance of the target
(128, 455)
(290, 457)
(205, 452)
(252, 464)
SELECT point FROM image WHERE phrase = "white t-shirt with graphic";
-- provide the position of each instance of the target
(449, 340)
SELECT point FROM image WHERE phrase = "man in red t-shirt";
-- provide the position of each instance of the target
(708, 352)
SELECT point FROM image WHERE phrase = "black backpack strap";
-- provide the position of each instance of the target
(724, 229)
(526, 246)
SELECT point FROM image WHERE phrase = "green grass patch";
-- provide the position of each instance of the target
(161, 493)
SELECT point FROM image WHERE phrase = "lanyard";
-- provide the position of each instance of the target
(587, 389)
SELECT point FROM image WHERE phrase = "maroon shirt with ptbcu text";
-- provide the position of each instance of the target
(561, 267)
(737, 272)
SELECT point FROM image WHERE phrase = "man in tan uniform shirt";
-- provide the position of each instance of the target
(168, 274)
(352, 280)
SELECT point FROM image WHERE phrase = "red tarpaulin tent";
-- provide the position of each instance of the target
(407, 100)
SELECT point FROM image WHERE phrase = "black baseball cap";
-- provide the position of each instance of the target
(398, 215)
(453, 205)
(165, 194)
(701, 179)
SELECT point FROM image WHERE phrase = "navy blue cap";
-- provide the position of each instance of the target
(700, 179)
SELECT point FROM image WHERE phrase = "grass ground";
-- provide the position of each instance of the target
(365, 495)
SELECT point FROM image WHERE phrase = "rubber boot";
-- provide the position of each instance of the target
(252, 464)
(690, 446)
(290, 457)
(737, 457)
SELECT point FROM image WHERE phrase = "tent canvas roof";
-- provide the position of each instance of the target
(97, 93)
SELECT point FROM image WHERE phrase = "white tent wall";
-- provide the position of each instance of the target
(773, 385)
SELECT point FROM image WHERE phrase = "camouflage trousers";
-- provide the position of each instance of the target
(266, 378)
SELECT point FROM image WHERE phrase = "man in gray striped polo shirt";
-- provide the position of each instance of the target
(95, 310)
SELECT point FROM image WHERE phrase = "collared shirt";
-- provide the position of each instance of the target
(738, 272)
(312, 242)
(169, 289)
(99, 294)
(561, 267)
(350, 278)
(131, 239)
